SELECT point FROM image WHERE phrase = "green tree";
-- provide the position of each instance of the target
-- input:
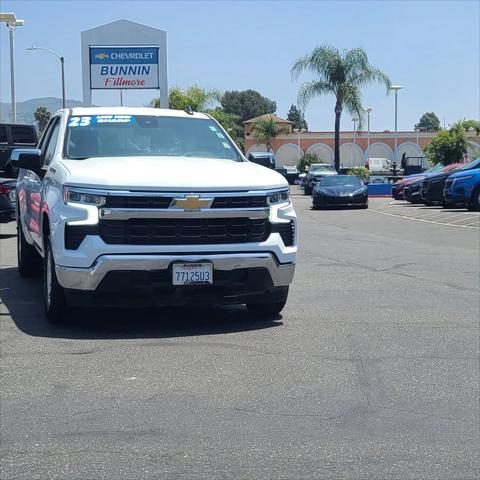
(428, 122)
(247, 104)
(195, 97)
(42, 116)
(449, 146)
(469, 126)
(296, 116)
(231, 124)
(341, 73)
(361, 172)
(266, 129)
(307, 160)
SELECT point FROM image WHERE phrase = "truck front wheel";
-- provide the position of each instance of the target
(271, 303)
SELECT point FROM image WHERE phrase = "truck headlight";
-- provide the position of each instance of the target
(279, 197)
(74, 195)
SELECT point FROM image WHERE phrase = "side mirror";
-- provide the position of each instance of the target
(28, 158)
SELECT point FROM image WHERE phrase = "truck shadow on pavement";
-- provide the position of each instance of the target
(24, 304)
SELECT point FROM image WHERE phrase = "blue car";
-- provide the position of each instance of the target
(464, 188)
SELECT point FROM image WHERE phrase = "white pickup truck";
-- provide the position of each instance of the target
(142, 206)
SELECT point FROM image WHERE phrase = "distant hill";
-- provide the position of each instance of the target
(26, 109)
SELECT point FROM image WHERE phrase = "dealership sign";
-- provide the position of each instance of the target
(126, 67)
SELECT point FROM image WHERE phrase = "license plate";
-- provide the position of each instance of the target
(192, 273)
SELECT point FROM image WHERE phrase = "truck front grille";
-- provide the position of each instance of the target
(186, 231)
(152, 201)
(130, 201)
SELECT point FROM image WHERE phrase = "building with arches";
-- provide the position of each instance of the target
(354, 148)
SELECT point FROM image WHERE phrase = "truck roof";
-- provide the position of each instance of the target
(159, 112)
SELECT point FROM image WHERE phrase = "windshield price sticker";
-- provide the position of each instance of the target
(98, 119)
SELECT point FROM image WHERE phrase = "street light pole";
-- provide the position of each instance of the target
(298, 131)
(396, 88)
(62, 64)
(12, 22)
(11, 33)
(369, 109)
(354, 120)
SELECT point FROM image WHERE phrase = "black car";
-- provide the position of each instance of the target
(265, 159)
(433, 185)
(412, 192)
(7, 200)
(14, 135)
(290, 173)
(340, 190)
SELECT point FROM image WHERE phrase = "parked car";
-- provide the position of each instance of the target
(7, 200)
(301, 179)
(340, 190)
(266, 159)
(412, 190)
(463, 188)
(433, 185)
(14, 135)
(289, 172)
(102, 206)
(316, 172)
(398, 188)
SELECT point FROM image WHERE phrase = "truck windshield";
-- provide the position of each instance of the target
(145, 135)
(320, 168)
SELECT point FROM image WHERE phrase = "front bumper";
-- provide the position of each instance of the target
(456, 197)
(89, 279)
(323, 200)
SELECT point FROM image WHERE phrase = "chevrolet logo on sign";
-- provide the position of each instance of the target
(102, 56)
(191, 203)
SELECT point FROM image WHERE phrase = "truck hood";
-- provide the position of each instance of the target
(158, 173)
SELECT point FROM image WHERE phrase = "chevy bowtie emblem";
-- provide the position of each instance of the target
(191, 202)
(102, 56)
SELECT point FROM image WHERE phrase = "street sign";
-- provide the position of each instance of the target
(123, 67)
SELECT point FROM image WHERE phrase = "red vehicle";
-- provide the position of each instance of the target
(398, 190)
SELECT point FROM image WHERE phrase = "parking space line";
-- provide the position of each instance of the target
(420, 220)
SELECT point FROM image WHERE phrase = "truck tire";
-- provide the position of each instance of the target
(53, 292)
(268, 308)
(29, 261)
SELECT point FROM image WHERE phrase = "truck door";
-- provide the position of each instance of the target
(30, 196)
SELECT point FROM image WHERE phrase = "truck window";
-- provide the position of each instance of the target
(51, 143)
(23, 134)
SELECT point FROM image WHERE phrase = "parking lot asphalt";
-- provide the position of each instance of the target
(452, 216)
(371, 371)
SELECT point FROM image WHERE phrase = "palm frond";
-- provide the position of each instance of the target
(310, 90)
(323, 61)
(352, 101)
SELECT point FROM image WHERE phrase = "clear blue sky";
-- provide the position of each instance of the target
(431, 47)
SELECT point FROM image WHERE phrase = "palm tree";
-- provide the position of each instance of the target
(42, 116)
(266, 129)
(341, 73)
(194, 97)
